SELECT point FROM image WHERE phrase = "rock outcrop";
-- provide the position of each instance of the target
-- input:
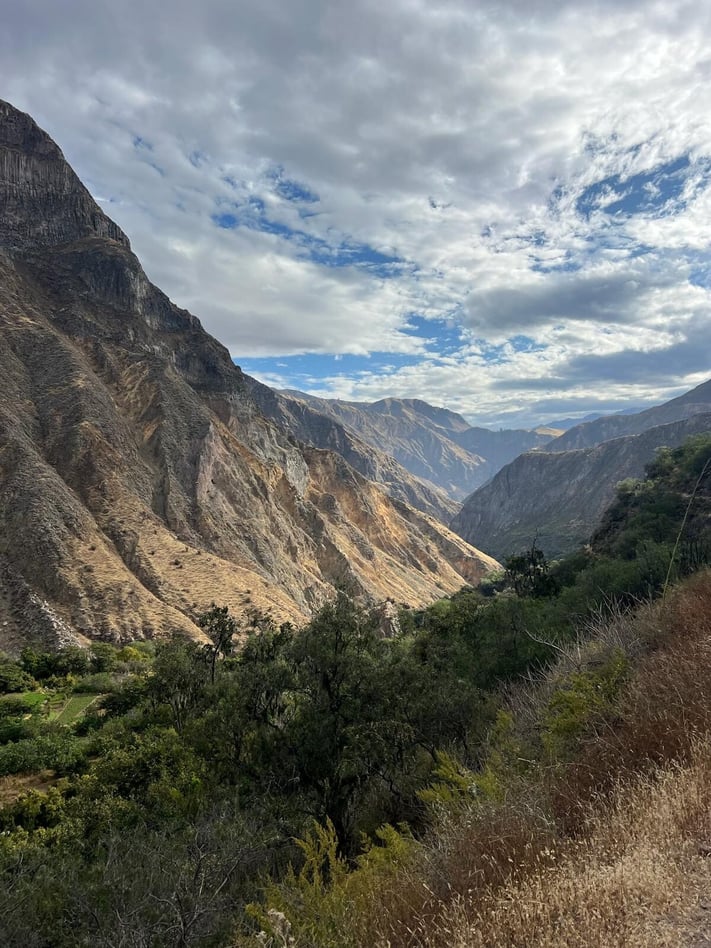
(139, 479)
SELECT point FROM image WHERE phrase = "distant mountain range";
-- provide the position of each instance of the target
(615, 426)
(558, 496)
(548, 484)
(564, 423)
(435, 445)
(140, 479)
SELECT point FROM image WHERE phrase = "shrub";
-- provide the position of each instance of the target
(13, 679)
(55, 750)
(98, 684)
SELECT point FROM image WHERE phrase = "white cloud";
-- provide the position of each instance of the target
(458, 138)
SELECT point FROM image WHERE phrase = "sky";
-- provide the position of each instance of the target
(500, 208)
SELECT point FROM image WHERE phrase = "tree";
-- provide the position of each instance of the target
(178, 678)
(13, 678)
(528, 573)
(220, 627)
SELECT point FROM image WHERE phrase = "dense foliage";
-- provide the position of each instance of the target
(203, 763)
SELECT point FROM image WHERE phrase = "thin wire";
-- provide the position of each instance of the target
(683, 524)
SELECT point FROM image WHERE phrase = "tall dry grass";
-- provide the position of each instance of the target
(603, 850)
(639, 878)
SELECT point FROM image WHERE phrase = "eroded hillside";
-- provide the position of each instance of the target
(140, 479)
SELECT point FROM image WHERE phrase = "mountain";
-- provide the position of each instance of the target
(558, 498)
(140, 480)
(565, 423)
(321, 430)
(434, 444)
(696, 401)
(500, 447)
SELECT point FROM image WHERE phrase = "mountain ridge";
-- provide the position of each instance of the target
(557, 498)
(140, 479)
(606, 427)
(435, 445)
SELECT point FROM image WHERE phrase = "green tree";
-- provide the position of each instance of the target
(528, 573)
(220, 627)
(14, 679)
(178, 678)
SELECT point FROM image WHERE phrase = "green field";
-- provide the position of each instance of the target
(32, 698)
(70, 709)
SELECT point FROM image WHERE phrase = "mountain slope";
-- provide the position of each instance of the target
(433, 444)
(321, 430)
(560, 497)
(696, 401)
(140, 480)
(500, 447)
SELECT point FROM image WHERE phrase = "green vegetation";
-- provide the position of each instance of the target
(289, 785)
(73, 709)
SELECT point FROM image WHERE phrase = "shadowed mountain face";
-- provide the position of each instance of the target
(434, 444)
(558, 498)
(139, 478)
(696, 401)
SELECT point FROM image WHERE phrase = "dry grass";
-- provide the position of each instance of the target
(603, 851)
(637, 879)
(665, 705)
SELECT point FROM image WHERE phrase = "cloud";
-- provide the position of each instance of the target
(312, 176)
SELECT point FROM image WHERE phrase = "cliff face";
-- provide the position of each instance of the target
(44, 203)
(560, 497)
(697, 401)
(321, 430)
(140, 480)
(433, 444)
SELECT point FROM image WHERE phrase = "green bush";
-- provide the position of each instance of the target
(582, 700)
(99, 684)
(58, 751)
(16, 705)
(13, 678)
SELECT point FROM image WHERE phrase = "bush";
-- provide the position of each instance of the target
(13, 679)
(98, 684)
(14, 706)
(57, 751)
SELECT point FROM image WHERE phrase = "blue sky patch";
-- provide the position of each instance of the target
(497, 354)
(444, 337)
(291, 190)
(649, 192)
(252, 214)
(307, 372)
(226, 221)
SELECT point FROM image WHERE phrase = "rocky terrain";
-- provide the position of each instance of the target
(322, 430)
(140, 478)
(434, 444)
(559, 497)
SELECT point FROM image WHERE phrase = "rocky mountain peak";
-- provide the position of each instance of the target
(139, 478)
(44, 202)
